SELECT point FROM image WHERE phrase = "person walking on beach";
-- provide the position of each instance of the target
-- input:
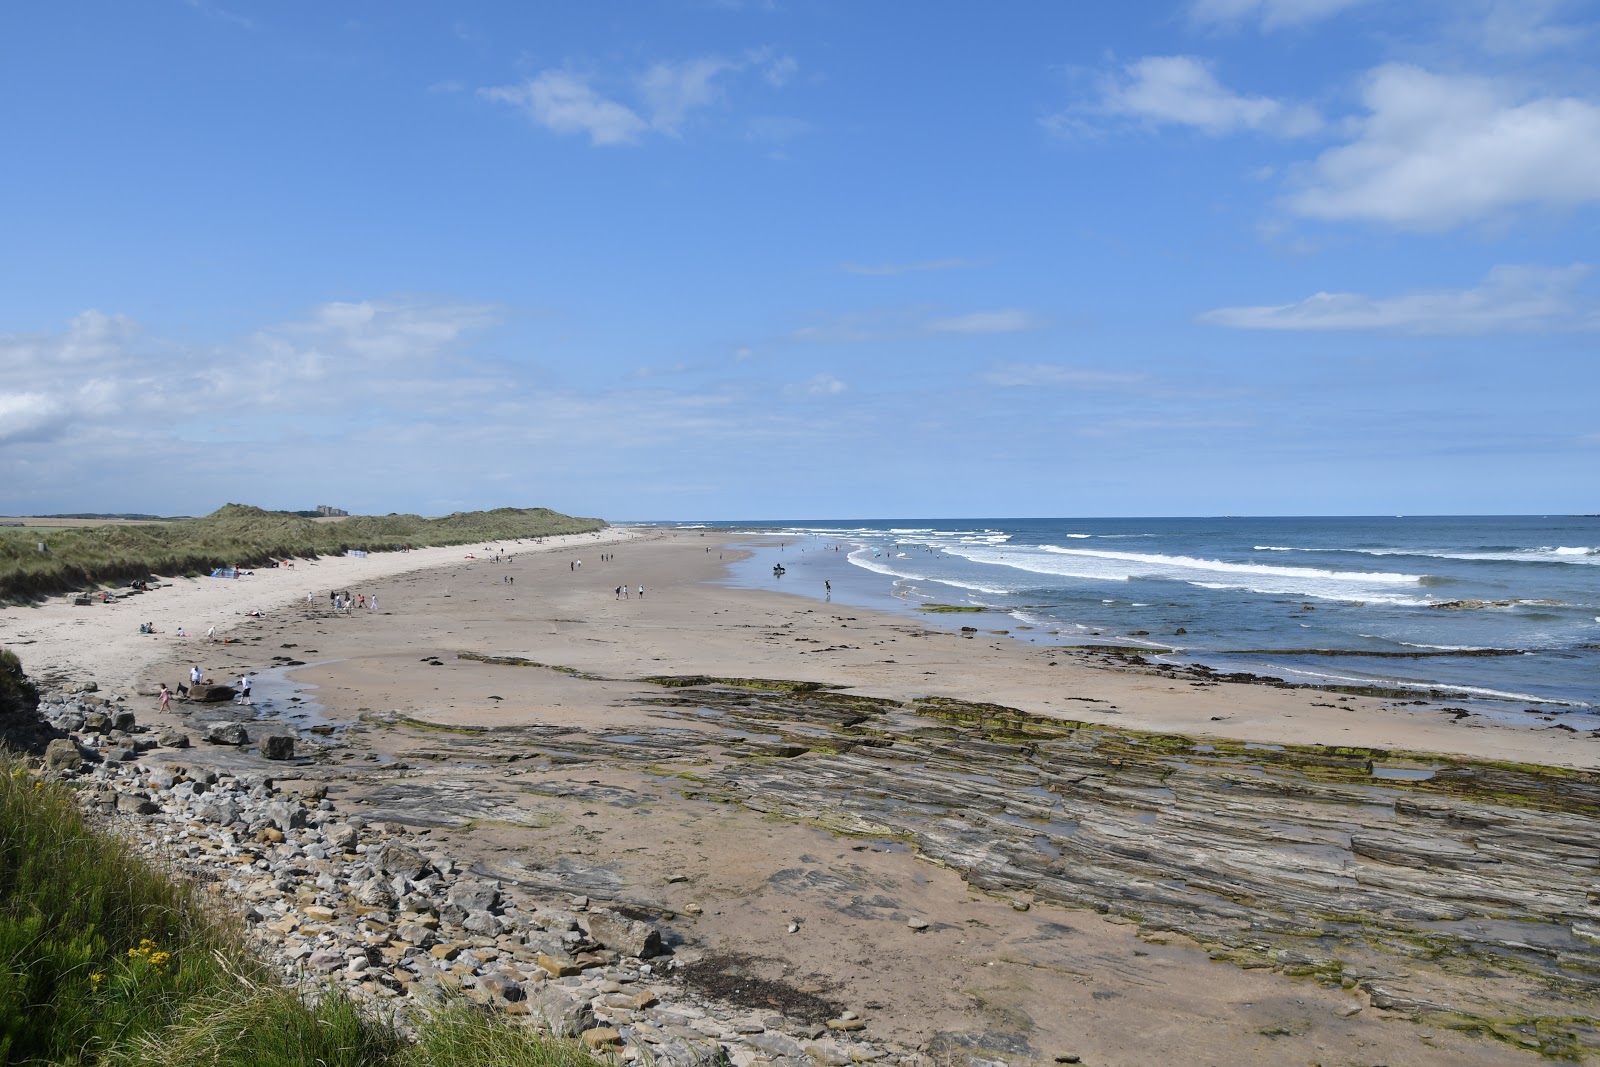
(244, 690)
(641, 592)
(195, 675)
(372, 605)
(166, 698)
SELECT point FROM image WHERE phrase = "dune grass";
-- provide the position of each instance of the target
(239, 535)
(107, 962)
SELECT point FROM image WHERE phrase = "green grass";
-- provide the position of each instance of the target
(105, 960)
(236, 534)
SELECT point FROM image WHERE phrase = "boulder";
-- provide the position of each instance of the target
(285, 816)
(566, 1014)
(211, 694)
(482, 923)
(277, 746)
(226, 733)
(62, 755)
(621, 934)
(342, 836)
(394, 858)
(97, 722)
(124, 721)
(375, 894)
(134, 804)
(475, 896)
(172, 739)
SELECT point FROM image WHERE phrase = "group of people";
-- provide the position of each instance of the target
(343, 600)
(211, 632)
(197, 677)
(623, 594)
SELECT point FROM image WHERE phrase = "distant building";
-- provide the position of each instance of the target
(329, 512)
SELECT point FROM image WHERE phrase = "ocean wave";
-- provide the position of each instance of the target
(1107, 566)
(1447, 687)
(1080, 536)
(869, 563)
(1579, 554)
(1222, 566)
(1341, 595)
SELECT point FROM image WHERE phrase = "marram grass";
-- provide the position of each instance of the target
(238, 535)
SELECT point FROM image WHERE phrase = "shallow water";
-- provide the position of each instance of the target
(1497, 609)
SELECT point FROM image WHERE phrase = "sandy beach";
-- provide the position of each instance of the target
(508, 708)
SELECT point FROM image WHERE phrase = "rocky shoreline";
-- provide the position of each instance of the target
(394, 921)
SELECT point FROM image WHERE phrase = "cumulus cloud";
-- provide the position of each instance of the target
(668, 94)
(1007, 320)
(674, 90)
(1183, 91)
(1512, 299)
(1438, 151)
(1269, 14)
(565, 103)
(101, 368)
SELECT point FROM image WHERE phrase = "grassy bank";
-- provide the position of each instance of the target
(238, 535)
(107, 961)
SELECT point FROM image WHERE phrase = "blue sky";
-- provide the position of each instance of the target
(741, 259)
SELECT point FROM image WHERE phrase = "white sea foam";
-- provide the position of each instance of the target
(866, 561)
(1323, 594)
(1106, 566)
(1497, 694)
(1542, 554)
(1081, 536)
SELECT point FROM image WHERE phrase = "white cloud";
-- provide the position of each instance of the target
(1183, 91)
(564, 103)
(23, 415)
(101, 369)
(669, 93)
(1512, 299)
(396, 331)
(1008, 320)
(1525, 27)
(819, 385)
(673, 90)
(1438, 151)
(884, 269)
(1014, 375)
(779, 71)
(1272, 14)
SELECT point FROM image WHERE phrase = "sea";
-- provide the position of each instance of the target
(1500, 612)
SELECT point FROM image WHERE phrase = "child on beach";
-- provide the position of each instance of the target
(166, 698)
